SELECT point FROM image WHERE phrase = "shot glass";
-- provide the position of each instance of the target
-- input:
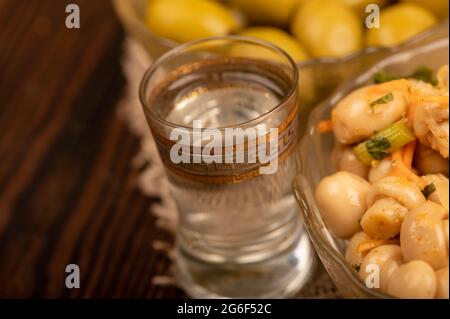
(224, 115)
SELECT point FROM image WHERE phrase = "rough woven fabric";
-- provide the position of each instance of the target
(153, 182)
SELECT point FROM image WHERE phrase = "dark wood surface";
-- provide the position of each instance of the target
(67, 191)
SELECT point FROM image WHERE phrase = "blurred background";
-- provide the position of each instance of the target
(68, 191)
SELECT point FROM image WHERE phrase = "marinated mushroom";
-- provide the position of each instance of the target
(344, 159)
(357, 116)
(402, 190)
(353, 255)
(386, 273)
(431, 124)
(384, 218)
(413, 280)
(342, 199)
(422, 235)
(379, 257)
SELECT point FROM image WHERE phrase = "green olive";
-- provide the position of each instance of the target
(438, 7)
(399, 23)
(327, 28)
(188, 20)
(273, 12)
(277, 37)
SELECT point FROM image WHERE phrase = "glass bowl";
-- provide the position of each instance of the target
(315, 153)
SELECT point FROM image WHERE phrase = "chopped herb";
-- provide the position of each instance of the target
(378, 147)
(357, 267)
(382, 76)
(428, 190)
(422, 73)
(383, 100)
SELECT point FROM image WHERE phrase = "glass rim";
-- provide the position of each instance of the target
(235, 38)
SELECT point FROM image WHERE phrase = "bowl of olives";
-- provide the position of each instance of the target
(317, 34)
(305, 29)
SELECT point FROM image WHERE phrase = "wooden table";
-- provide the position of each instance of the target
(67, 191)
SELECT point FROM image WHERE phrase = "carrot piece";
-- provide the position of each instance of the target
(411, 111)
(440, 99)
(395, 85)
(397, 155)
(324, 126)
(408, 154)
(402, 169)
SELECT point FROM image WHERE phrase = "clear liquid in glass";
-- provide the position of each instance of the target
(240, 239)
